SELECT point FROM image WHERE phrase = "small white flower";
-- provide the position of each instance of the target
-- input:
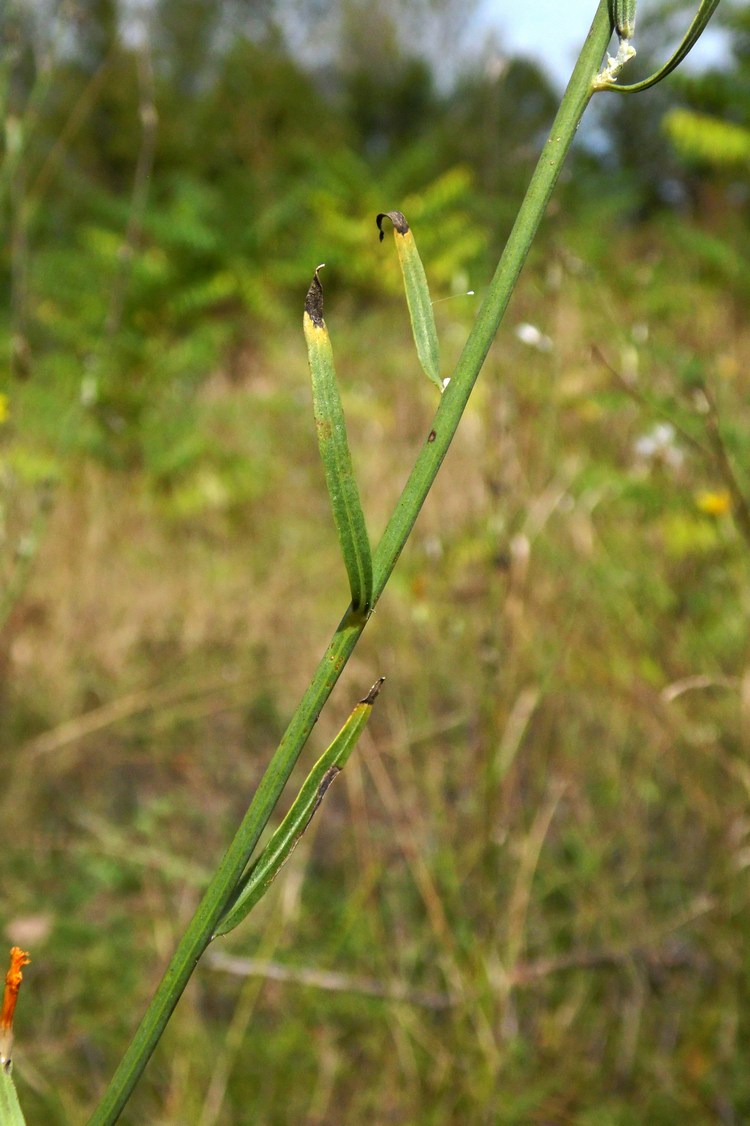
(659, 444)
(433, 547)
(533, 337)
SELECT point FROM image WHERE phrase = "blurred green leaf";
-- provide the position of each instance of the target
(10, 1108)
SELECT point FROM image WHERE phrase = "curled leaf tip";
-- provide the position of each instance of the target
(372, 695)
(314, 299)
(397, 218)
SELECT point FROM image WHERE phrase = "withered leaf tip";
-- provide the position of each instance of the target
(397, 218)
(314, 299)
(374, 691)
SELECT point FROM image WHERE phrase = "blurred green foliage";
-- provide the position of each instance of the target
(713, 128)
(171, 178)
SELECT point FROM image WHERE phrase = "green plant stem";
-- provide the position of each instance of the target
(201, 928)
(456, 396)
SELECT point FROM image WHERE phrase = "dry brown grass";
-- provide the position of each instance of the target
(534, 827)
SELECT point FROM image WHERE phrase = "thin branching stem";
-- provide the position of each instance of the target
(435, 446)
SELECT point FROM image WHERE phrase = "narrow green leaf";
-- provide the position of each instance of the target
(417, 295)
(274, 856)
(334, 451)
(10, 1108)
(605, 81)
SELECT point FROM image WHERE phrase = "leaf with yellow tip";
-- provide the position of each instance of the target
(417, 295)
(334, 451)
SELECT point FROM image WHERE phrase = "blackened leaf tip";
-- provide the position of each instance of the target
(314, 300)
(397, 218)
(374, 691)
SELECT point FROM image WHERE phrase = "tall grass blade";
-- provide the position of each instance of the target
(334, 451)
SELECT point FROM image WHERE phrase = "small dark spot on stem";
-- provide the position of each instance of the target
(431, 437)
(397, 218)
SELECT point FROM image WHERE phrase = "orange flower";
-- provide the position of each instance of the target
(18, 959)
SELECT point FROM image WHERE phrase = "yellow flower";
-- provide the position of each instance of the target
(712, 502)
(4, 408)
